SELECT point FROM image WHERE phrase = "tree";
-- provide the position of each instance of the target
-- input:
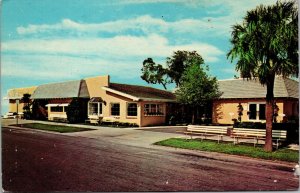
(155, 73)
(266, 45)
(197, 88)
(175, 66)
(26, 107)
(179, 62)
(240, 112)
(77, 111)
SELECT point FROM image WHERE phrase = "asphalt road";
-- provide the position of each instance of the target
(38, 161)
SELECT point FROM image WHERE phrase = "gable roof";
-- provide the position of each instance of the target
(17, 93)
(141, 92)
(242, 88)
(68, 89)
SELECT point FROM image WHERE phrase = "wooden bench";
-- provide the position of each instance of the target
(257, 134)
(206, 131)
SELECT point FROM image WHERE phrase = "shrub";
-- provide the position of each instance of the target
(39, 111)
(133, 125)
(291, 128)
(77, 111)
(250, 125)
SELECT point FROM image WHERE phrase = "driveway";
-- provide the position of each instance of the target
(143, 137)
(113, 159)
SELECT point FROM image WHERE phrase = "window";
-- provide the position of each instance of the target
(95, 108)
(56, 109)
(132, 109)
(115, 109)
(257, 111)
(153, 109)
(252, 109)
(262, 112)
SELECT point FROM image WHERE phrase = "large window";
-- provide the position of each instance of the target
(252, 111)
(57, 109)
(132, 109)
(95, 108)
(115, 109)
(262, 112)
(257, 111)
(153, 109)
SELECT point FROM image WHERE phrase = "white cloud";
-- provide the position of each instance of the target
(115, 47)
(146, 24)
(221, 15)
(57, 67)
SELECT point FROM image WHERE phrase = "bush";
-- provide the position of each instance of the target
(133, 125)
(39, 110)
(77, 111)
(250, 125)
(291, 128)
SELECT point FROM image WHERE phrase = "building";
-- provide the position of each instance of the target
(134, 104)
(53, 99)
(145, 106)
(139, 105)
(250, 94)
(17, 94)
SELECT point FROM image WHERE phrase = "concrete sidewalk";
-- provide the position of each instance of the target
(141, 136)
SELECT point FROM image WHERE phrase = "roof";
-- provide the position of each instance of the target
(68, 89)
(143, 92)
(17, 93)
(96, 100)
(242, 88)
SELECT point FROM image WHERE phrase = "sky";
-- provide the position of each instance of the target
(59, 40)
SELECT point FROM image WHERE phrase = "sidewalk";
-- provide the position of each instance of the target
(144, 136)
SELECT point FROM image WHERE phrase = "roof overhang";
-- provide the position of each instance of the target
(121, 94)
(12, 98)
(158, 100)
(58, 105)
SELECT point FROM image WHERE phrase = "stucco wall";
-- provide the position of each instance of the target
(291, 108)
(223, 108)
(12, 106)
(149, 120)
(95, 85)
(110, 98)
(52, 115)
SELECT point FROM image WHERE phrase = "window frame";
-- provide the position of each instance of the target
(111, 110)
(128, 110)
(154, 109)
(55, 111)
(257, 114)
(99, 109)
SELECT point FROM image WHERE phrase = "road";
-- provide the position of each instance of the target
(39, 161)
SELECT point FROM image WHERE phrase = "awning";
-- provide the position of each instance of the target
(58, 105)
(96, 100)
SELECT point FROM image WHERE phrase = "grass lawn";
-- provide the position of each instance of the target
(55, 128)
(228, 148)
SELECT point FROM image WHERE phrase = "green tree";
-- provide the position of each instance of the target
(175, 66)
(240, 112)
(155, 73)
(77, 111)
(26, 108)
(179, 62)
(197, 88)
(266, 45)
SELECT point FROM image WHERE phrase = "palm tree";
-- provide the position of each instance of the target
(266, 45)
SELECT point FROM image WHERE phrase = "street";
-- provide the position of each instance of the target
(39, 161)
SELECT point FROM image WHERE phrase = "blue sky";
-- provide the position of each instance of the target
(58, 40)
